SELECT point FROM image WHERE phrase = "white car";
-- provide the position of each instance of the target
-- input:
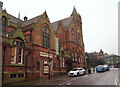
(76, 72)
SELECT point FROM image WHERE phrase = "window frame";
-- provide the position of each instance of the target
(4, 23)
(14, 56)
(46, 37)
(73, 35)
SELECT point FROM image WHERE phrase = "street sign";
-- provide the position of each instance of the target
(57, 46)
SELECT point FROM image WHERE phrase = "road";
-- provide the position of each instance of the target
(105, 78)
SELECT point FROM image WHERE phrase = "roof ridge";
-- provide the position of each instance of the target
(62, 19)
(15, 17)
(34, 17)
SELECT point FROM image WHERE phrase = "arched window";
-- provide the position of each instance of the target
(46, 37)
(28, 36)
(73, 35)
(4, 23)
(78, 38)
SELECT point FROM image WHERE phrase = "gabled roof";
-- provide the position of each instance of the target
(35, 19)
(74, 11)
(28, 22)
(17, 33)
(65, 22)
(14, 19)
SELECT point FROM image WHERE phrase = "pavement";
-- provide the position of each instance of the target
(118, 78)
(117, 82)
(40, 81)
(109, 78)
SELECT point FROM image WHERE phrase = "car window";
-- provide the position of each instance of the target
(100, 66)
(74, 69)
(80, 69)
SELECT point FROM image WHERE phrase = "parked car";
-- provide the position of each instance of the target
(76, 72)
(100, 68)
(106, 67)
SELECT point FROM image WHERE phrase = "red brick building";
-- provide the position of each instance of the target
(69, 33)
(29, 49)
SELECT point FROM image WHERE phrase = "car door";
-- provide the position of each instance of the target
(81, 71)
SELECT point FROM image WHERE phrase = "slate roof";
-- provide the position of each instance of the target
(65, 22)
(23, 23)
(28, 22)
(14, 19)
(112, 55)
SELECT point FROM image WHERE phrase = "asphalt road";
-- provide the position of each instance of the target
(105, 78)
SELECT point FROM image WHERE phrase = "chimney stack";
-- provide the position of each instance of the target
(25, 18)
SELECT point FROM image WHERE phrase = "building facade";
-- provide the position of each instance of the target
(70, 37)
(95, 58)
(113, 60)
(29, 48)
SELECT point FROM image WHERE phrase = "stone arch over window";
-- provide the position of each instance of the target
(46, 36)
(4, 23)
(73, 35)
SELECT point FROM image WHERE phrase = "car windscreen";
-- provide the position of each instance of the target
(74, 69)
(99, 66)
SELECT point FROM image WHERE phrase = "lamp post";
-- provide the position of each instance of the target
(59, 64)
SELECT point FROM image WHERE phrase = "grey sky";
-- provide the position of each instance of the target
(99, 18)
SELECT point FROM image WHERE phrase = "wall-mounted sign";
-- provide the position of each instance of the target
(46, 55)
(46, 69)
(57, 46)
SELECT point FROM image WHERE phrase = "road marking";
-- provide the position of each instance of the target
(62, 83)
(85, 75)
(68, 83)
(116, 82)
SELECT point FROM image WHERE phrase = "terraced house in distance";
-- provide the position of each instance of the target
(29, 46)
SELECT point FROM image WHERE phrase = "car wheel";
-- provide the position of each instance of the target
(84, 73)
(78, 74)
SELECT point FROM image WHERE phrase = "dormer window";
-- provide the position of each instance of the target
(4, 23)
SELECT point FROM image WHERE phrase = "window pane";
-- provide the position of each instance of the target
(45, 37)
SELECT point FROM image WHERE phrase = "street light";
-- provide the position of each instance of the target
(59, 64)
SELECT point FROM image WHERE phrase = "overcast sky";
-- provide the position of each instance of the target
(99, 18)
